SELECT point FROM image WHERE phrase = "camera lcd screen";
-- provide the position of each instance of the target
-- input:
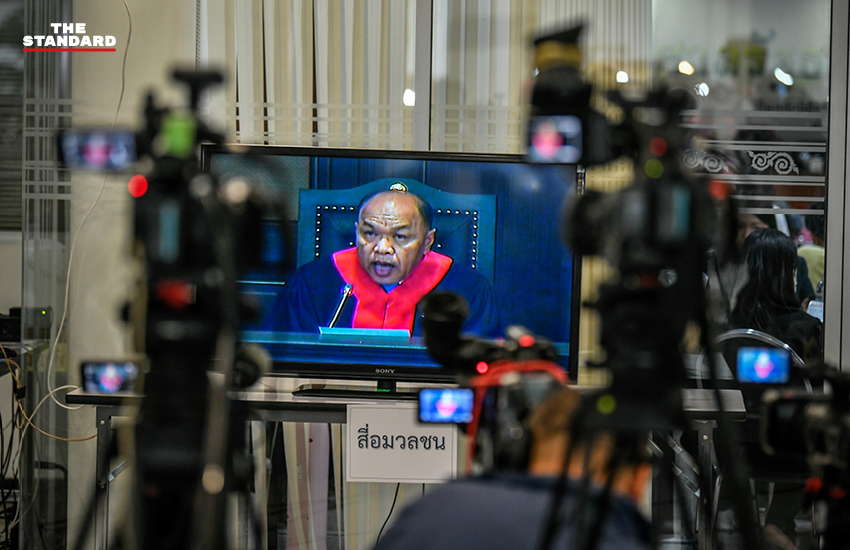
(109, 377)
(446, 405)
(555, 139)
(763, 365)
(98, 149)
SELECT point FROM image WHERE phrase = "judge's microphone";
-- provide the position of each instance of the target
(344, 295)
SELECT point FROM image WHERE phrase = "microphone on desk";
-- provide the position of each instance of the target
(347, 290)
(251, 362)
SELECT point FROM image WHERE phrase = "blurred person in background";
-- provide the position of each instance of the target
(768, 301)
(813, 253)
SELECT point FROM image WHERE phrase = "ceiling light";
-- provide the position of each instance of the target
(783, 77)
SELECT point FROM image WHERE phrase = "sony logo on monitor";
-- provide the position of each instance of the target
(384, 371)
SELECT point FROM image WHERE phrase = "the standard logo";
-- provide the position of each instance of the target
(69, 37)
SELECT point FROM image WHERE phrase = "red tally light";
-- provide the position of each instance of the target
(837, 493)
(814, 485)
(720, 190)
(657, 146)
(138, 185)
(526, 340)
(175, 294)
(482, 367)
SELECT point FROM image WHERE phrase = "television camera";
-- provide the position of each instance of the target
(192, 233)
(656, 232)
(817, 425)
(505, 379)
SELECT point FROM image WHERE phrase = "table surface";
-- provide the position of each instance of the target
(275, 394)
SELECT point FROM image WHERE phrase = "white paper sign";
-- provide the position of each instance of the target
(386, 443)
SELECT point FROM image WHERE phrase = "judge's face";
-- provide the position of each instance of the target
(391, 237)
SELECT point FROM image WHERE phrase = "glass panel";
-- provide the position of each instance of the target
(760, 73)
(479, 64)
(334, 73)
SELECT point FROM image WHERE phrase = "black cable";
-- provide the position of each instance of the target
(392, 507)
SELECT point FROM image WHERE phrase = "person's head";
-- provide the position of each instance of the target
(772, 266)
(394, 232)
(552, 426)
(747, 223)
(815, 224)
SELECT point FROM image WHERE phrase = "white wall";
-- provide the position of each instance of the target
(796, 24)
(792, 29)
(102, 273)
(10, 270)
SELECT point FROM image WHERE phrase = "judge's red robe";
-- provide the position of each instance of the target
(310, 299)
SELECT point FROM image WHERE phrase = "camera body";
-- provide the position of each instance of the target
(560, 107)
(656, 231)
(501, 381)
(815, 424)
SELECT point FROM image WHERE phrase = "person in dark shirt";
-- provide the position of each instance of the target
(509, 510)
(389, 271)
(769, 302)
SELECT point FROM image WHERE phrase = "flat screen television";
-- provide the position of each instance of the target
(494, 214)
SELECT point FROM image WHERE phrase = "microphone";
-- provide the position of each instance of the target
(347, 290)
(251, 363)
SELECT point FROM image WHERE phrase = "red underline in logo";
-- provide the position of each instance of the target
(69, 49)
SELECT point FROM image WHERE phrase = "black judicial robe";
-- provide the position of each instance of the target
(310, 299)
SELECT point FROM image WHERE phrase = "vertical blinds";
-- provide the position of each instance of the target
(323, 72)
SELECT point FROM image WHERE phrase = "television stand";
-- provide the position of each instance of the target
(386, 389)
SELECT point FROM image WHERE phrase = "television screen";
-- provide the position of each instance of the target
(362, 235)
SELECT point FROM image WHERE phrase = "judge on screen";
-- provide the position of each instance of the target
(386, 275)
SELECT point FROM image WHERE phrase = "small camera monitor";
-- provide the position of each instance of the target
(446, 405)
(109, 377)
(555, 139)
(98, 149)
(763, 365)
